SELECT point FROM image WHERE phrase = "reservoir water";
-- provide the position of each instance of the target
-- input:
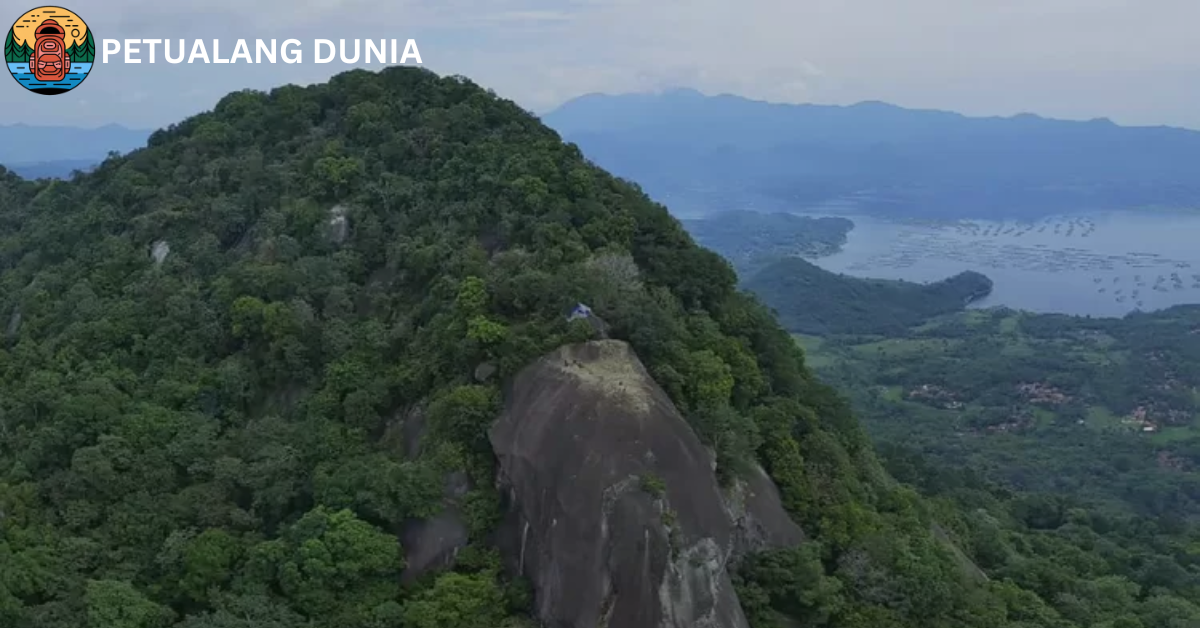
(1096, 264)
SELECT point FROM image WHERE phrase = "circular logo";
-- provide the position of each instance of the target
(49, 50)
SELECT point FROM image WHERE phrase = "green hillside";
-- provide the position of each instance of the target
(811, 300)
(210, 345)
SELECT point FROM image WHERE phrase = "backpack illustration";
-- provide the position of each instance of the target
(50, 61)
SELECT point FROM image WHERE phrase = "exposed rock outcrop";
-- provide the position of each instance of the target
(14, 323)
(430, 544)
(339, 224)
(615, 514)
(160, 250)
(760, 521)
(484, 372)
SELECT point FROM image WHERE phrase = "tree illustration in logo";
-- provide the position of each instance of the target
(84, 51)
(20, 54)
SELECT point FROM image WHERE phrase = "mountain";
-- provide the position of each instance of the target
(705, 154)
(317, 358)
(811, 300)
(266, 369)
(31, 147)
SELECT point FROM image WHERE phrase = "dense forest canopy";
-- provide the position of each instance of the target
(211, 345)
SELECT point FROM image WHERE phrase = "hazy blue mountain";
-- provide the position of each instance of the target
(60, 169)
(711, 153)
(60, 149)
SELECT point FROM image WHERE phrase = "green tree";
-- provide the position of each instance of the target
(795, 583)
(117, 604)
(457, 601)
(208, 563)
(331, 565)
(462, 415)
(246, 611)
(710, 380)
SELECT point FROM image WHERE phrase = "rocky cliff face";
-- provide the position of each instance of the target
(615, 514)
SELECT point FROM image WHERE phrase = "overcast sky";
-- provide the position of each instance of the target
(1135, 61)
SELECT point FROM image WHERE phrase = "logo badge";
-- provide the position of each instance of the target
(49, 50)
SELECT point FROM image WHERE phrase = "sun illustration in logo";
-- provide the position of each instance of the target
(49, 50)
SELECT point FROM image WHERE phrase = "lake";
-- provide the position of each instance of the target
(20, 71)
(1097, 264)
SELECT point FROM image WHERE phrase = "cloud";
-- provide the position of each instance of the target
(1132, 61)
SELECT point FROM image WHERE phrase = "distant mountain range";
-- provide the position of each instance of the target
(703, 154)
(706, 153)
(60, 169)
(55, 151)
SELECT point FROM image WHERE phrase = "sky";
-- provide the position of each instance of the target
(1134, 61)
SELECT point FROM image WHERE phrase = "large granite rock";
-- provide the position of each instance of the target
(615, 514)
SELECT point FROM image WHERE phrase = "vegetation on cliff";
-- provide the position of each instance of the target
(211, 345)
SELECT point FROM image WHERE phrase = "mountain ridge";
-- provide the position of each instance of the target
(694, 95)
(710, 153)
(25, 144)
(217, 345)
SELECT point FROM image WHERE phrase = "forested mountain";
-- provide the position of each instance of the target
(811, 300)
(218, 348)
(706, 154)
